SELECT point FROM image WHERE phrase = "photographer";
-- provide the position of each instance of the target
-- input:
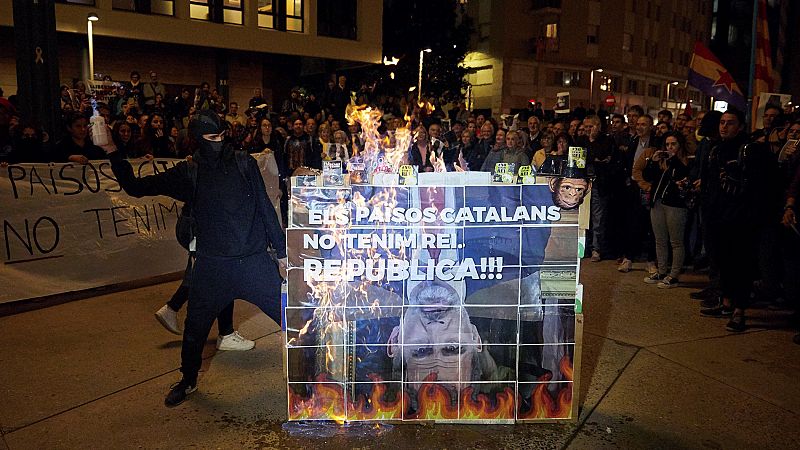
(664, 173)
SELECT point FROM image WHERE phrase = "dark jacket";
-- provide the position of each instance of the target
(67, 147)
(233, 217)
(664, 181)
(739, 182)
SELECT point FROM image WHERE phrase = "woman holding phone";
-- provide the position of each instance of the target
(664, 174)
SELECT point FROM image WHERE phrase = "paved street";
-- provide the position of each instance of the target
(93, 374)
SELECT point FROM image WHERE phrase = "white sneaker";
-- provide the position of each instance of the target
(234, 342)
(169, 319)
(625, 266)
(652, 267)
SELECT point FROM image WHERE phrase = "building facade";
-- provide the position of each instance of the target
(630, 52)
(236, 44)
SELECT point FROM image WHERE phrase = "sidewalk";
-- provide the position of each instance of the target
(93, 374)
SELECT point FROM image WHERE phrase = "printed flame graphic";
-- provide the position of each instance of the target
(434, 402)
(545, 405)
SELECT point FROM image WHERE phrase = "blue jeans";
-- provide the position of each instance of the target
(669, 226)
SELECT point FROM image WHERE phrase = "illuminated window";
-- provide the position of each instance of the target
(282, 15)
(266, 14)
(551, 31)
(233, 11)
(220, 11)
(294, 15)
(199, 9)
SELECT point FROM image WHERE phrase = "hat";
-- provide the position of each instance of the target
(205, 122)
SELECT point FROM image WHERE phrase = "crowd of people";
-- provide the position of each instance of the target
(692, 190)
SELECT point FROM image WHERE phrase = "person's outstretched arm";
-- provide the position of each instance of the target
(174, 182)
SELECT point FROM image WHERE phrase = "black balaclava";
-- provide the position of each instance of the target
(207, 122)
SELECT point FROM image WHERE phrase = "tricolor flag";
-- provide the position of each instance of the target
(762, 76)
(707, 74)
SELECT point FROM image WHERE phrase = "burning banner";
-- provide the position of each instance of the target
(448, 298)
(424, 312)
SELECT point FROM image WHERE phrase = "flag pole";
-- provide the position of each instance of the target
(753, 45)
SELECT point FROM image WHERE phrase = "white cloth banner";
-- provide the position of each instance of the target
(67, 227)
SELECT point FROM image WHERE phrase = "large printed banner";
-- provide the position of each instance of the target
(446, 303)
(67, 227)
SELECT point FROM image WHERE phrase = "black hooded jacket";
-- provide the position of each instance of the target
(232, 215)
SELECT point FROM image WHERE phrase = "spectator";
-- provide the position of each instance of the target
(342, 143)
(662, 128)
(134, 89)
(180, 108)
(421, 151)
(27, 146)
(495, 153)
(573, 128)
(257, 99)
(233, 116)
(299, 151)
(154, 142)
(203, 99)
(680, 121)
(534, 135)
(665, 173)
(555, 160)
(546, 140)
(312, 107)
(738, 180)
(341, 98)
(151, 89)
(293, 104)
(123, 139)
(454, 155)
(515, 152)
(311, 128)
(603, 161)
(479, 152)
(637, 228)
(77, 147)
(665, 115)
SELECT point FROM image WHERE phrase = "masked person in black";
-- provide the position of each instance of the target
(234, 224)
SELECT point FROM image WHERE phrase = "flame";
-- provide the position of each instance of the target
(482, 407)
(437, 162)
(375, 407)
(326, 402)
(545, 405)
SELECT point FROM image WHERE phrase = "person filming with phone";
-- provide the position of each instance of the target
(664, 173)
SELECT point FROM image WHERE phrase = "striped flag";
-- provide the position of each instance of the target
(708, 75)
(762, 76)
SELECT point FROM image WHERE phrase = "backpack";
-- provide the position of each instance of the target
(185, 226)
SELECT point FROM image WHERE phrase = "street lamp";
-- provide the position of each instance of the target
(591, 85)
(92, 17)
(419, 80)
